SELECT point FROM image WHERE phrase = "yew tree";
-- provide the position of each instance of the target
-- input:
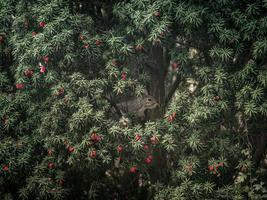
(66, 67)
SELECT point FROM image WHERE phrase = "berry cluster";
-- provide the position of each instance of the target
(216, 169)
(28, 73)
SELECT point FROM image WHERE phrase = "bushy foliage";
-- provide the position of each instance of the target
(65, 64)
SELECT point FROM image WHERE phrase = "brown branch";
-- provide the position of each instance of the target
(172, 91)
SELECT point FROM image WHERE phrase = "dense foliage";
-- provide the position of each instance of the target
(64, 65)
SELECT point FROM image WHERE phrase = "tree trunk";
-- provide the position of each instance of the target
(157, 85)
(157, 90)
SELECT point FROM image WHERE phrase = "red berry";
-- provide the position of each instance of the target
(93, 154)
(46, 59)
(5, 168)
(146, 147)
(42, 24)
(149, 159)
(71, 149)
(98, 42)
(174, 65)
(170, 119)
(133, 169)
(50, 152)
(137, 137)
(86, 46)
(28, 73)
(123, 75)
(119, 148)
(20, 86)
(42, 69)
(154, 139)
(211, 168)
(51, 165)
(95, 137)
(220, 166)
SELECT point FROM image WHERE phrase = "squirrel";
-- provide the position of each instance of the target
(138, 105)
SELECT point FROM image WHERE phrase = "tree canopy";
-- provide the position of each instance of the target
(191, 75)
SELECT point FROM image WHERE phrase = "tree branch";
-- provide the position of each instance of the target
(172, 91)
